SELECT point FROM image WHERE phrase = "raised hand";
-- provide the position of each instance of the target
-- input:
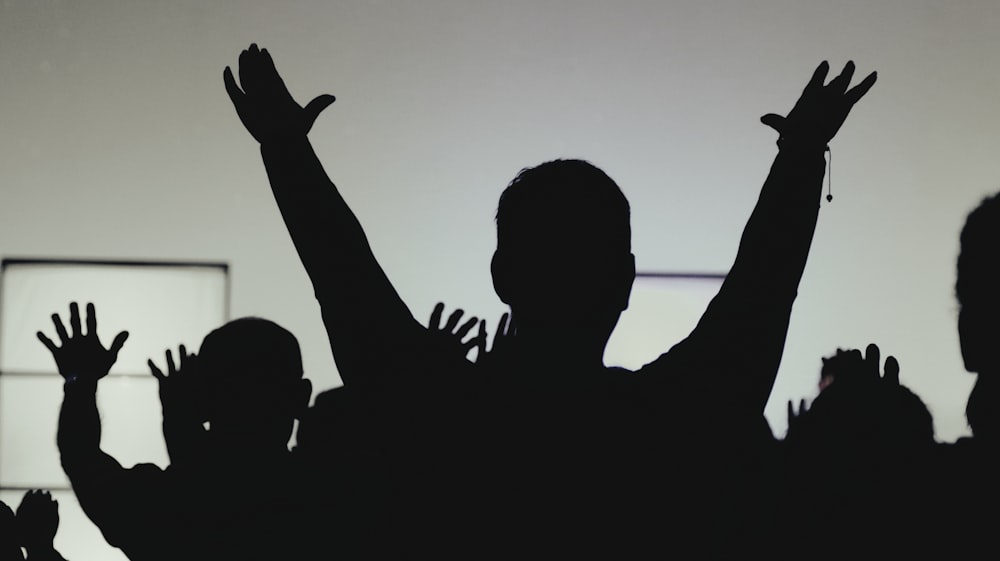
(264, 104)
(183, 411)
(451, 336)
(81, 356)
(37, 520)
(891, 372)
(179, 386)
(501, 342)
(850, 367)
(793, 417)
(821, 109)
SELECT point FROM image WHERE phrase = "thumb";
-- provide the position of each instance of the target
(116, 345)
(157, 373)
(234, 91)
(316, 106)
(775, 121)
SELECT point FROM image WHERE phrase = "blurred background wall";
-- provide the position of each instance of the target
(117, 141)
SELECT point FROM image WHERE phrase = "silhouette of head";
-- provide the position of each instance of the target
(563, 260)
(978, 286)
(252, 369)
(978, 291)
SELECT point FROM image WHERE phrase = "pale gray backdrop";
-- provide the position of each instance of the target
(117, 141)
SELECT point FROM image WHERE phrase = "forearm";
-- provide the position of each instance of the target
(327, 235)
(746, 323)
(366, 320)
(775, 244)
(79, 433)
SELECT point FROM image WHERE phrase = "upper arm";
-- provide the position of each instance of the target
(732, 355)
(122, 502)
(371, 331)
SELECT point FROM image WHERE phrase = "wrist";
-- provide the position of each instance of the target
(79, 383)
(801, 144)
(277, 142)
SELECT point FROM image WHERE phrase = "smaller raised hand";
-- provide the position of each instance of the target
(79, 355)
(502, 340)
(180, 399)
(891, 372)
(793, 417)
(37, 521)
(179, 386)
(451, 335)
(849, 366)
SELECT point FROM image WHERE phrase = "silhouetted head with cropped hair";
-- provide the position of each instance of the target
(978, 291)
(253, 376)
(563, 261)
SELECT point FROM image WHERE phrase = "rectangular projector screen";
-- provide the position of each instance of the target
(161, 305)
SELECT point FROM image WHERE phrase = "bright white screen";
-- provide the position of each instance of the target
(160, 307)
(29, 414)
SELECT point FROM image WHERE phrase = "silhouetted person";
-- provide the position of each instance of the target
(551, 449)
(978, 292)
(363, 436)
(859, 464)
(243, 497)
(971, 465)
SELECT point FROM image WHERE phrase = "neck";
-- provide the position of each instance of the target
(241, 449)
(558, 353)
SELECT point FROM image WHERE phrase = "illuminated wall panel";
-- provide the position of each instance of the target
(160, 304)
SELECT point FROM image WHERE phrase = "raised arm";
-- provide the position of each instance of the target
(371, 330)
(98, 479)
(738, 343)
(82, 361)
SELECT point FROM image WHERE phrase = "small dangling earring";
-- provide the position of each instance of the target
(829, 176)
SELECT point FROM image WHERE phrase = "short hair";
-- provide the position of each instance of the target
(978, 254)
(562, 192)
(252, 348)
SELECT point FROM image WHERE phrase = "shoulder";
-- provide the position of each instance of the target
(146, 477)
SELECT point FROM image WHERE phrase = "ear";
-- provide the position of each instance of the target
(302, 394)
(969, 339)
(500, 270)
(627, 273)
